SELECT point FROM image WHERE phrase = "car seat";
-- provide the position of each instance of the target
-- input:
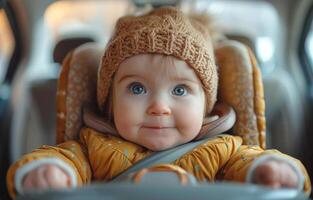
(240, 86)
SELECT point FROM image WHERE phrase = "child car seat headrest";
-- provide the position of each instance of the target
(64, 46)
(241, 86)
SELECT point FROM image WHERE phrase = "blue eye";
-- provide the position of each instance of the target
(137, 88)
(180, 90)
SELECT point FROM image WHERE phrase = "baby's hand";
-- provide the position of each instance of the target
(276, 174)
(46, 176)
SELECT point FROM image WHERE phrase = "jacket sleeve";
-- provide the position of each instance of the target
(238, 166)
(72, 153)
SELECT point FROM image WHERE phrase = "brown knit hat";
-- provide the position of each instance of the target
(164, 31)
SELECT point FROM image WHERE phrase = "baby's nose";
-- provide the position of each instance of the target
(159, 108)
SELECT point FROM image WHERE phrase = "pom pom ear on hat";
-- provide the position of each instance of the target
(162, 31)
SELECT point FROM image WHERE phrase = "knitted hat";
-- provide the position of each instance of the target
(164, 31)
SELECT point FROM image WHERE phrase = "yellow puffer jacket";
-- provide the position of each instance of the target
(97, 156)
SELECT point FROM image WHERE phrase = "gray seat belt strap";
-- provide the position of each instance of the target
(167, 156)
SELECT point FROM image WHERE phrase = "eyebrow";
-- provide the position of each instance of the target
(179, 79)
(128, 76)
(185, 80)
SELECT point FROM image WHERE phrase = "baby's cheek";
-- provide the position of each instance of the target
(123, 121)
(127, 118)
(196, 123)
(191, 123)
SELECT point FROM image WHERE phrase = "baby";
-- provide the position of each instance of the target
(157, 84)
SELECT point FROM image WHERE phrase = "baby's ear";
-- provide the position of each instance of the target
(222, 118)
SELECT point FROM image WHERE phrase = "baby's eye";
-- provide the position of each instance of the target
(137, 88)
(180, 90)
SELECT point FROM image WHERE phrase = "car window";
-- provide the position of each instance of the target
(308, 46)
(96, 17)
(260, 33)
(6, 44)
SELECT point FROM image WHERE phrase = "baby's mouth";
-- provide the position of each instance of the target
(156, 127)
(158, 124)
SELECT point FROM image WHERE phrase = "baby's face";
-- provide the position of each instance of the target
(158, 101)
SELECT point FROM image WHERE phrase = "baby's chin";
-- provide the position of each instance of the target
(159, 146)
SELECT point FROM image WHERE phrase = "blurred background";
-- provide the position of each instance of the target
(35, 36)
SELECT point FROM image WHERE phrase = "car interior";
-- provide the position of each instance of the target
(36, 37)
